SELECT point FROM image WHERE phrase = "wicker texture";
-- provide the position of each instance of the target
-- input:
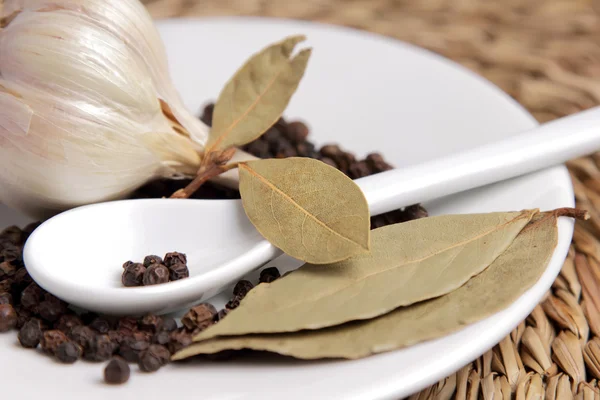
(546, 54)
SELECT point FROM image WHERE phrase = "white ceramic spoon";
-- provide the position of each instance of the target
(78, 254)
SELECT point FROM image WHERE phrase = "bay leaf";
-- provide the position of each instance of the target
(306, 208)
(409, 262)
(506, 279)
(258, 93)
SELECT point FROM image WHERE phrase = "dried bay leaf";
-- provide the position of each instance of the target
(511, 274)
(306, 208)
(408, 262)
(258, 93)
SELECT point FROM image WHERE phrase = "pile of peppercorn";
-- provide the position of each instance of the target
(47, 322)
(155, 270)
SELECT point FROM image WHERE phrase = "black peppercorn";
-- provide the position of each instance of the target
(88, 317)
(329, 162)
(207, 114)
(260, 148)
(344, 161)
(268, 275)
(82, 335)
(151, 323)
(23, 316)
(8, 317)
(169, 324)
(233, 303)
(220, 315)
(66, 322)
(131, 347)
(156, 274)
(52, 308)
(7, 269)
(117, 371)
(286, 153)
(331, 150)
(304, 149)
(377, 164)
(359, 169)
(180, 338)
(31, 333)
(116, 337)
(133, 275)
(68, 352)
(280, 145)
(6, 298)
(242, 288)
(272, 135)
(297, 131)
(142, 335)
(153, 358)
(51, 340)
(11, 253)
(13, 234)
(32, 296)
(161, 337)
(6, 284)
(127, 324)
(178, 271)
(149, 260)
(22, 279)
(415, 212)
(175, 257)
(101, 325)
(199, 317)
(100, 348)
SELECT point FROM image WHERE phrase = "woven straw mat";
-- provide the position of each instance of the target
(546, 54)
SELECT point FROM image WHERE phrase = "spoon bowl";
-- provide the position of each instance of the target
(78, 255)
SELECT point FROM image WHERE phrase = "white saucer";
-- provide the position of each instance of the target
(367, 93)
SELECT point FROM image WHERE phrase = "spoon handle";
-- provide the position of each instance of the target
(547, 145)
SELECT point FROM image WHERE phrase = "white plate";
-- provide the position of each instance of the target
(368, 93)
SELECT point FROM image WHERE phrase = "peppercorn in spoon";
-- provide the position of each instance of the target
(77, 255)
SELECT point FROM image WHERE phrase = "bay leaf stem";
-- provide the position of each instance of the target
(205, 173)
(575, 213)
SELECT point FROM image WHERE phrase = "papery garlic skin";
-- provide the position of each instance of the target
(86, 104)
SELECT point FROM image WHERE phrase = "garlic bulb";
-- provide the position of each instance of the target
(88, 112)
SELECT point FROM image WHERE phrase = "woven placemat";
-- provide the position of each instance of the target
(546, 55)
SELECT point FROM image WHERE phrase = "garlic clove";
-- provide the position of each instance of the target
(130, 22)
(45, 169)
(46, 53)
(55, 158)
